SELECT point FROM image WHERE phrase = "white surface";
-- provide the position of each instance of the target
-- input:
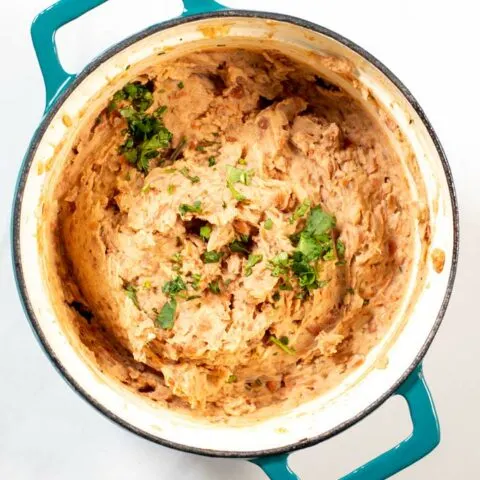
(47, 432)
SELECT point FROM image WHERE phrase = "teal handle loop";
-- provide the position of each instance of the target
(44, 29)
(424, 438)
(192, 7)
(46, 24)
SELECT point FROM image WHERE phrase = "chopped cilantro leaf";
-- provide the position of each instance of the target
(340, 249)
(205, 231)
(251, 262)
(319, 223)
(186, 173)
(212, 256)
(231, 379)
(276, 296)
(212, 161)
(240, 246)
(268, 224)
(171, 189)
(301, 210)
(279, 264)
(200, 148)
(214, 287)
(173, 287)
(282, 345)
(196, 277)
(166, 317)
(131, 293)
(195, 208)
(237, 175)
(180, 85)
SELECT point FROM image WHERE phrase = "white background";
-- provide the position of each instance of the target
(48, 433)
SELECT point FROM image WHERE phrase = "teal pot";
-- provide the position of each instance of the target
(206, 23)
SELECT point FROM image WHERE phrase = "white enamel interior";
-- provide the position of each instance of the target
(310, 419)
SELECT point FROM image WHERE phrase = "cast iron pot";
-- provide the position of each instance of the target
(267, 443)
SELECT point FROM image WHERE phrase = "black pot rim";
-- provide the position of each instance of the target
(19, 273)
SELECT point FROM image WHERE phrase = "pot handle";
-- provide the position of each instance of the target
(45, 26)
(424, 438)
(43, 30)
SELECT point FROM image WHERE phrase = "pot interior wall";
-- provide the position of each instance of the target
(384, 366)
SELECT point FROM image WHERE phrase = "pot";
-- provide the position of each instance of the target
(267, 443)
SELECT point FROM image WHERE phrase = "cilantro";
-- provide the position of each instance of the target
(173, 287)
(237, 175)
(186, 173)
(300, 211)
(305, 272)
(196, 277)
(276, 296)
(319, 223)
(340, 249)
(283, 344)
(166, 316)
(279, 264)
(268, 224)
(131, 293)
(251, 262)
(160, 111)
(146, 136)
(214, 287)
(212, 257)
(200, 148)
(180, 85)
(171, 189)
(205, 231)
(195, 208)
(231, 379)
(211, 161)
(240, 245)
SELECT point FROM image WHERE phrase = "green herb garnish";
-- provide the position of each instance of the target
(131, 293)
(212, 161)
(171, 189)
(166, 317)
(301, 210)
(237, 175)
(251, 262)
(280, 264)
(180, 85)
(231, 379)
(146, 137)
(268, 224)
(195, 208)
(174, 287)
(214, 287)
(196, 277)
(282, 342)
(212, 256)
(186, 173)
(240, 245)
(205, 231)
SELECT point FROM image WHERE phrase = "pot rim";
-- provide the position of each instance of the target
(25, 170)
